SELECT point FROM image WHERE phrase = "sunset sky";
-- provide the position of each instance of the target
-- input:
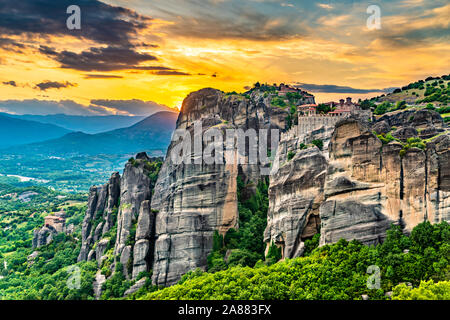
(158, 51)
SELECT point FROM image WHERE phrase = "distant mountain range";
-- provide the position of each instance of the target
(15, 131)
(151, 133)
(86, 124)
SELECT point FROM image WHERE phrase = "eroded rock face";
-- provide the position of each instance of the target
(387, 187)
(350, 219)
(43, 236)
(133, 191)
(353, 189)
(295, 193)
(145, 240)
(364, 186)
(193, 200)
(100, 249)
(135, 188)
(97, 285)
(111, 204)
(102, 202)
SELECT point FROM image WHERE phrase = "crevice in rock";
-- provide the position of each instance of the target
(149, 259)
(426, 187)
(401, 179)
(169, 251)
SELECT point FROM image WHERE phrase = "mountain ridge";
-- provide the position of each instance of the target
(86, 124)
(150, 133)
(15, 131)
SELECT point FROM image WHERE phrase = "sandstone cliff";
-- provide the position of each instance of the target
(364, 185)
(119, 221)
(353, 189)
(194, 200)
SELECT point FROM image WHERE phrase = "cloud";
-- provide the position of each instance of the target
(45, 85)
(43, 107)
(107, 59)
(101, 76)
(11, 45)
(330, 88)
(233, 19)
(69, 107)
(335, 20)
(325, 6)
(99, 59)
(10, 83)
(133, 107)
(416, 29)
(101, 22)
(171, 73)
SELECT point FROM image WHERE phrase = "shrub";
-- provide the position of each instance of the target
(427, 290)
(382, 108)
(290, 155)
(278, 102)
(273, 254)
(318, 143)
(336, 271)
(311, 244)
(430, 106)
(385, 139)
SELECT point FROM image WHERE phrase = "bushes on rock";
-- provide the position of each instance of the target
(337, 271)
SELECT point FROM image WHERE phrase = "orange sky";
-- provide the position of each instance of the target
(334, 47)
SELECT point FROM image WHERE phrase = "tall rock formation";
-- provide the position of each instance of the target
(99, 217)
(193, 200)
(364, 185)
(121, 210)
(163, 218)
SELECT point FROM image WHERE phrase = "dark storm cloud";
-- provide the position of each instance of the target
(45, 85)
(99, 59)
(100, 22)
(106, 59)
(329, 88)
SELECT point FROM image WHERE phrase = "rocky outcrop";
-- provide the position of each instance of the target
(98, 283)
(111, 202)
(135, 287)
(193, 200)
(295, 193)
(145, 240)
(32, 257)
(131, 222)
(353, 189)
(43, 236)
(363, 186)
(135, 187)
(427, 123)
